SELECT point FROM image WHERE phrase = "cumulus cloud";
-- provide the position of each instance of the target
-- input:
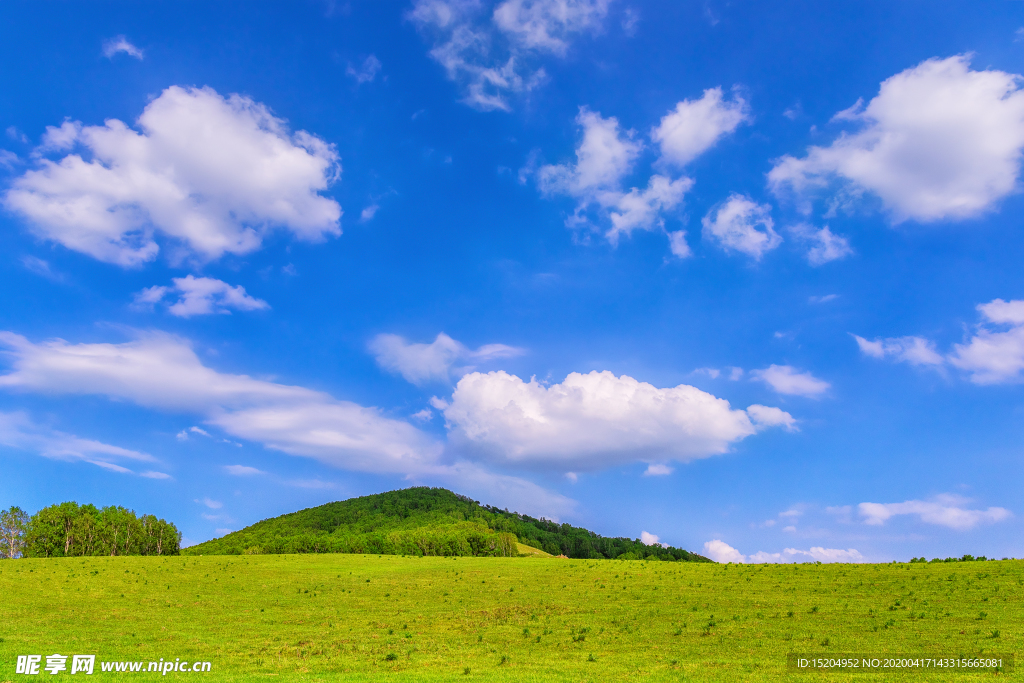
(212, 175)
(120, 44)
(786, 379)
(694, 126)
(720, 551)
(657, 469)
(201, 296)
(17, 430)
(492, 54)
(365, 72)
(945, 510)
(605, 155)
(163, 372)
(741, 224)
(590, 421)
(824, 246)
(767, 416)
(651, 539)
(939, 141)
(422, 363)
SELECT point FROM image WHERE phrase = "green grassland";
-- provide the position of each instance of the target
(335, 617)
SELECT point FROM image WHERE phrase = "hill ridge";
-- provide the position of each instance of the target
(425, 520)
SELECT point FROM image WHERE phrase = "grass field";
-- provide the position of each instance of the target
(361, 618)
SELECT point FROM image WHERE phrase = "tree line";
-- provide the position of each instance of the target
(73, 530)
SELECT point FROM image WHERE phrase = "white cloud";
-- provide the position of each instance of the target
(677, 244)
(368, 212)
(642, 210)
(741, 224)
(657, 469)
(212, 175)
(589, 421)
(604, 157)
(994, 356)
(242, 470)
(939, 141)
(651, 539)
(161, 371)
(545, 25)
(183, 434)
(816, 554)
(822, 299)
(786, 379)
(421, 363)
(944, 510)
(720, 551)
(201, 296)
(913, 350)
(17, 430)
(425, 415)
(491, 55)
(120, 44)
(767, 416)
(155, 475)
(694, 126)
(210, 503)
(825, 245)
(366, 72)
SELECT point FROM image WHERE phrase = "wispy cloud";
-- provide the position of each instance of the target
(120, 44)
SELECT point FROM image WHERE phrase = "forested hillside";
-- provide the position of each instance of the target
(424, 521)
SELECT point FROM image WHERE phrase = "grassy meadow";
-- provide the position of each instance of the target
(393, 618)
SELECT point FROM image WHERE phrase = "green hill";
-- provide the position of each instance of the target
(424, 521)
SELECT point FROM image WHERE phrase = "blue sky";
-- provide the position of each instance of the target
(742, 279)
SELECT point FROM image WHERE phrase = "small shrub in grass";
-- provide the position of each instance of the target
(391, 656)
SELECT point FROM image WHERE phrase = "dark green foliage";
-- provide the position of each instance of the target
(965, 558)
(424, 521)
(71, 530)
